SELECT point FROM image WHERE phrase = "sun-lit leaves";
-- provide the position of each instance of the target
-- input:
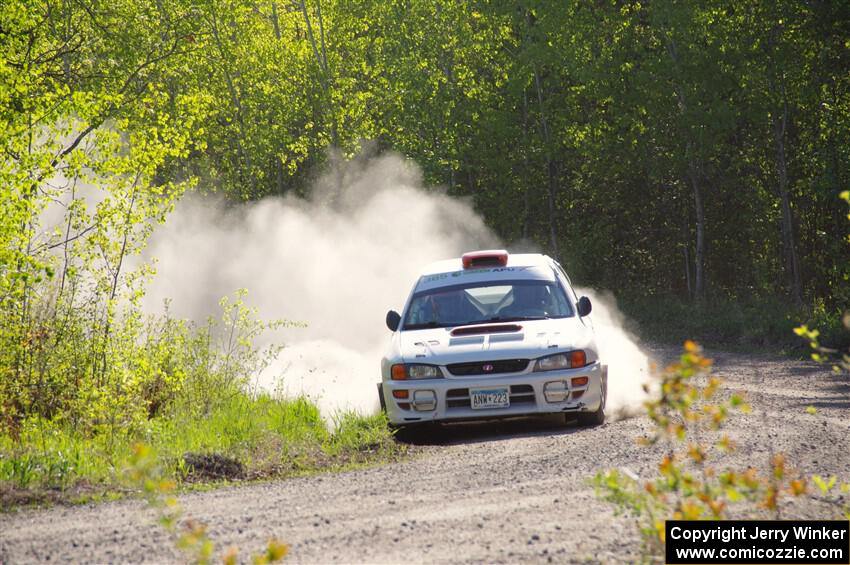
(778, 466)
(696, 453)
(549, 117)
(825, 485)
(144, 471)
(694, 480)
(798, 487)
(275, 551)
(87, 130)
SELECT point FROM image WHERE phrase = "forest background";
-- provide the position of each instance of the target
(688, 156)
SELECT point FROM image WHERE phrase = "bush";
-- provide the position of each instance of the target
(182, 389)
(694, 481)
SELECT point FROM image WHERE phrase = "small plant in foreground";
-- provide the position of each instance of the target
(688, 418)
(190, 535)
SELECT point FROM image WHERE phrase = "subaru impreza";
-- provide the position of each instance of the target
(492, 335)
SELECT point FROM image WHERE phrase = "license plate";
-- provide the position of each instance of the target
(489, 398)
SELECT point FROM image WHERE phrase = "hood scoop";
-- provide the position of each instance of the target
(503, 338)
(467, 340)
(486, 329)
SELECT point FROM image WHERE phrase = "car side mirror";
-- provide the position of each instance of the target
(584, 306)
(393, 320)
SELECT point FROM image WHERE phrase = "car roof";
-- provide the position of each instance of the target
(521, 266)
(514, 260)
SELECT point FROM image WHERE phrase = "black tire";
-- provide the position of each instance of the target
(596, 418)
(419, 433)
(381, 397)
(402, 433)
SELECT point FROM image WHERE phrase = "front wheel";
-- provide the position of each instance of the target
(419, 433)
(381, 397)
(597, 417)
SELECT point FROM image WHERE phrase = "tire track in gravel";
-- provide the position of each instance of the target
(500, 492)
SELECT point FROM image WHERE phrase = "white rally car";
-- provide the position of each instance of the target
(492, 335)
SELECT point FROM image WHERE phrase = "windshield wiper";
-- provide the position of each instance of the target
(505, 319)
(496, 319)
(517, 318)
(425, 325)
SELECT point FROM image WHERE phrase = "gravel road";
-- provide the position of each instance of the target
(507, 492)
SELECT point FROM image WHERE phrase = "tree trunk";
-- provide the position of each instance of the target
(243, 156)
(116, 274)
(526, 201)
(687, 255)
(779, 125)
(321, 60)
(550, 169)
(694, 174)
(699, 250)
(553, 234)
(792, 264)
(275, 21)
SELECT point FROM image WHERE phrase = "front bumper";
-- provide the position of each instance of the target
(448, 399)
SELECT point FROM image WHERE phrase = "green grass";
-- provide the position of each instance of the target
(265, 436)
(179, 389)
(736, 325)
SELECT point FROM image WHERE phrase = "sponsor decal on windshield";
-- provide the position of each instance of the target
(455, 274)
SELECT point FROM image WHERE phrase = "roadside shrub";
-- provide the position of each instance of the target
(358, 435)
(144, 472)
(185, 390)
(693, 481)
(152, 366)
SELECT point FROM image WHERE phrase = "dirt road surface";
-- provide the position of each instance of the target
(507, 492)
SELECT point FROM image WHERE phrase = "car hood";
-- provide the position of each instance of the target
(533, 339)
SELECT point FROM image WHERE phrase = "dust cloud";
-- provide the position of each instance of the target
(337, 261)
(628, 365)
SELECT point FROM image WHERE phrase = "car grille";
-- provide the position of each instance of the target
(520, 394)
(488, 367)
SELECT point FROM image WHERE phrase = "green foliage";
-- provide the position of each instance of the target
(182, 389)
(654, 147)
(657, 147)
(823, 353)
(721, 322)
(86, 129)
(143, 471)
(357, 434)
(693, 481)
(152, 366)
(676, 152)
(267, 436)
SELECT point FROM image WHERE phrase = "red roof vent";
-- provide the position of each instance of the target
(481, 259)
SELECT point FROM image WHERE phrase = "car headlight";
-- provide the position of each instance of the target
(414, 371)
(569, 360)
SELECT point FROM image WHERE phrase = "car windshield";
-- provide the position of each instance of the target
(504, 301)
